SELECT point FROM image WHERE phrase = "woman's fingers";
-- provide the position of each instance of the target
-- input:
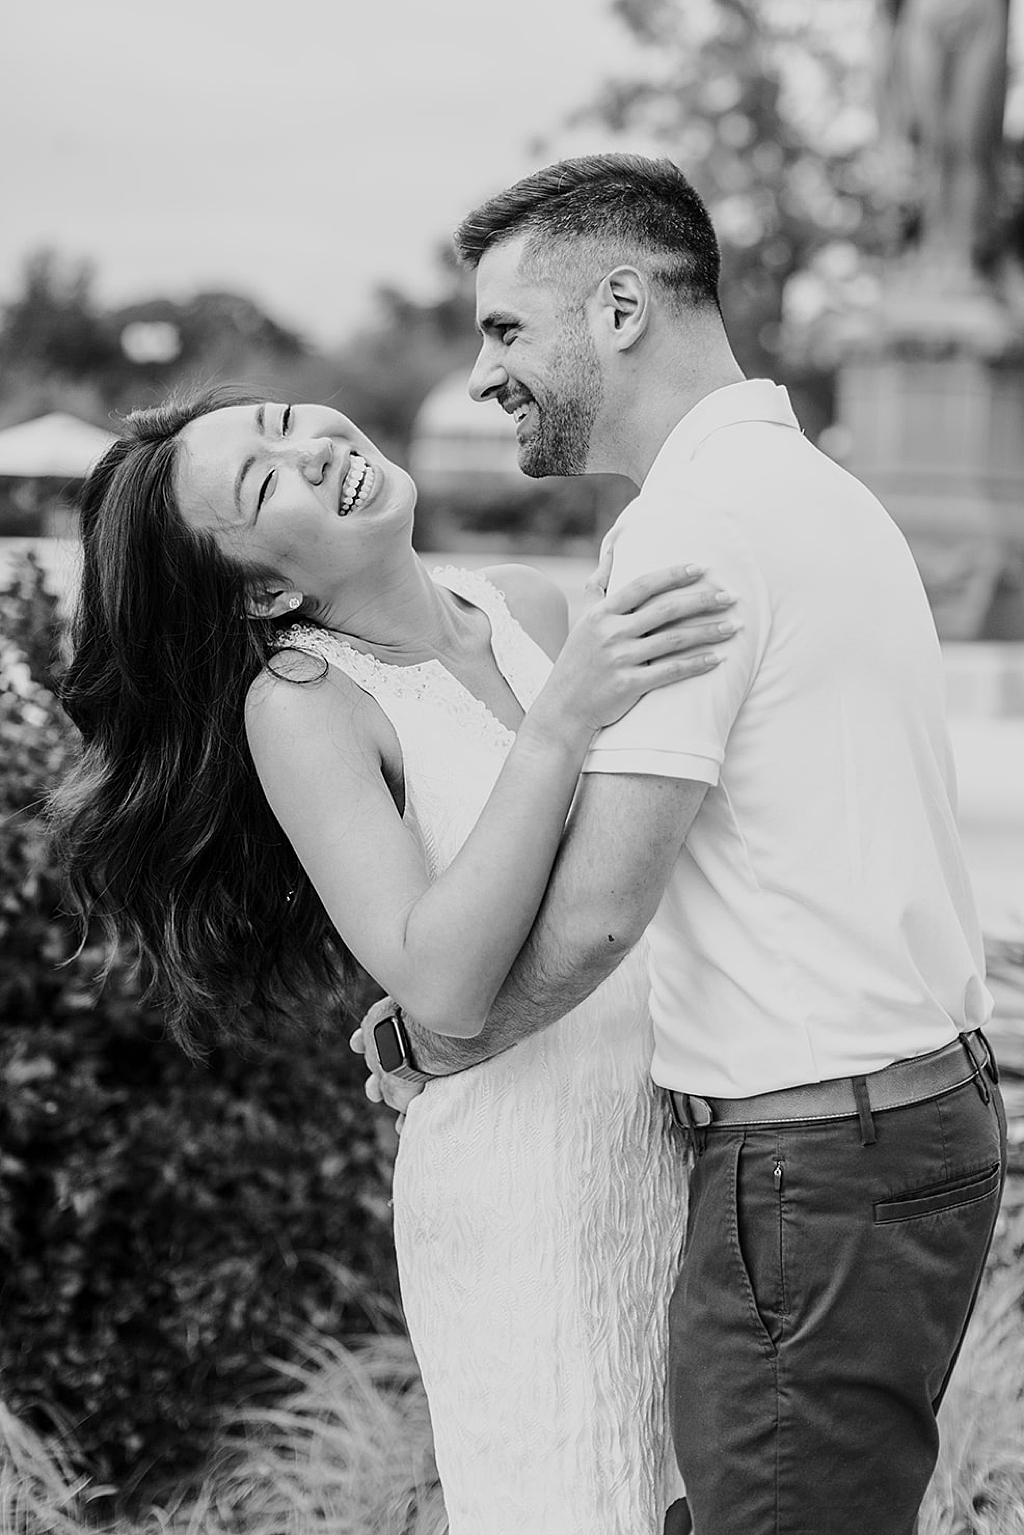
(687, 605)
(691, 635)
(597, 583)
(676, 668)
(652, 584)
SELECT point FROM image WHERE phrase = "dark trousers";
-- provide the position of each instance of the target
(823, 1298)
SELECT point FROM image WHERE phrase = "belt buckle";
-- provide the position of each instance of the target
(690, 1112)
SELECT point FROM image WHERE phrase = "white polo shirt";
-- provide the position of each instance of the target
(819, 921)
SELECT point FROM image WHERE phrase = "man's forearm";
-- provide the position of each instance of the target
(549, 978)
(622, 840)
(582, 932)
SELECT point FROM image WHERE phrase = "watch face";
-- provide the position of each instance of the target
(390, 1042)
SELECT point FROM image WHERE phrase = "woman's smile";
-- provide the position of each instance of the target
(358, 485)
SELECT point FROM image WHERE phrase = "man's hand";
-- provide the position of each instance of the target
(380, 1086)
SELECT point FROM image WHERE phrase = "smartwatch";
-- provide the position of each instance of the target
(393, 1050)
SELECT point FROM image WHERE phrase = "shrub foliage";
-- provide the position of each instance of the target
(163, 1227)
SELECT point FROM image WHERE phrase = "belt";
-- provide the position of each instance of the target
(894, 1087)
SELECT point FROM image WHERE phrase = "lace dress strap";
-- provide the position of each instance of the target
(521, 661)
(313, 640)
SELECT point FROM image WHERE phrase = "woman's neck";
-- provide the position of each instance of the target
(405, 620)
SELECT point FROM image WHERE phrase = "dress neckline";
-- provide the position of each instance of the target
(476, 589)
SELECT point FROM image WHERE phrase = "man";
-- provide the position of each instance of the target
(785, 826)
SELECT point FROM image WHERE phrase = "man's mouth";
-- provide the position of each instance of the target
(519, 409)
(357, 486)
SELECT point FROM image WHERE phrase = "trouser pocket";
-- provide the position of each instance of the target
(948, 1195)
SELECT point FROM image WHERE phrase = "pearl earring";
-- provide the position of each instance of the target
(294, 602)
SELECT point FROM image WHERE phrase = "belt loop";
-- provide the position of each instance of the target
(980, 1056)
(694, 1129)
(863, 1102)
(992, 1065)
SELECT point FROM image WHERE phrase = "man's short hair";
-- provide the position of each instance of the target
(607, 209)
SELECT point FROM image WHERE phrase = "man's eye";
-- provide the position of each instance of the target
(286, 421)
(508, 335)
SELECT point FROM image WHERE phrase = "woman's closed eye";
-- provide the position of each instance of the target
(261, 497)
(285, 427)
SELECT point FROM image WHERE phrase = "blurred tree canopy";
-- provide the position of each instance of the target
(769, 107)
(59, 349)
(772, 109)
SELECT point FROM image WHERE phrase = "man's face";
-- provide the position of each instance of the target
(538, 360)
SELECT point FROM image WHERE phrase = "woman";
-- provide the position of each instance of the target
(301, 747)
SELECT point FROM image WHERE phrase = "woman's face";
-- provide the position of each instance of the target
(294, 489)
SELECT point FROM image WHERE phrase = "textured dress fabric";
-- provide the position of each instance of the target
(539, 1198)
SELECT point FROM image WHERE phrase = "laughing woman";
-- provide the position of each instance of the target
(303, 747)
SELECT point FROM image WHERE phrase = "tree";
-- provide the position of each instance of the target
(768, 106)
(54, 326)
(60, 350)
(386, 371)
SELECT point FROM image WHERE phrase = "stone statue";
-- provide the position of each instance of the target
(946, 93)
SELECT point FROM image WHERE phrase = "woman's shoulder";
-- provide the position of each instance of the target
(535, 601)
(299, 695)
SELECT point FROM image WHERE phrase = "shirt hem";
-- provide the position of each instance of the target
(653, 763)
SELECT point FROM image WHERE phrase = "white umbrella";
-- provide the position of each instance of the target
(56, 446)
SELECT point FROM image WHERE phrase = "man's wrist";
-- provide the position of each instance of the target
(395, 1051)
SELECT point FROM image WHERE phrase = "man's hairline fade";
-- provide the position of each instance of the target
(540, 210)
(555, 259)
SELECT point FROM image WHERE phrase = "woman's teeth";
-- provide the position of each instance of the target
(356, 486)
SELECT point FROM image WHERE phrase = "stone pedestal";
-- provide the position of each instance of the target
(936, 429)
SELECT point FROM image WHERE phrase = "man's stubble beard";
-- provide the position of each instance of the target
(566, 416)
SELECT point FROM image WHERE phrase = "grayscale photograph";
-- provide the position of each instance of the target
(512, 768)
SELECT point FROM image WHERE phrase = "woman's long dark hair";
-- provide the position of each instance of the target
(162, 828)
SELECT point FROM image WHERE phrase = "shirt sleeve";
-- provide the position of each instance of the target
(680, 731)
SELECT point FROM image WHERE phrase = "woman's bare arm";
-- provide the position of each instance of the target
(443, 948)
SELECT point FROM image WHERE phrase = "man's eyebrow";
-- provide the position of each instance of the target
(498, 319)
(261, 413)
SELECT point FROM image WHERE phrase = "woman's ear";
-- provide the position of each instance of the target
(270, 602)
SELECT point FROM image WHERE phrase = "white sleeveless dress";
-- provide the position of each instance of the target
(539, 1198)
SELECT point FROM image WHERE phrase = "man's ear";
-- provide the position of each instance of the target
(272, 602)
(624, 306)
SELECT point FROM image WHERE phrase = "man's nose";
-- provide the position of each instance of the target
(488, 375)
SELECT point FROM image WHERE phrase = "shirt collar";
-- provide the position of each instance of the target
(755, 399)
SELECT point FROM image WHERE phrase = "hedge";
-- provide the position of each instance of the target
(163, 1227)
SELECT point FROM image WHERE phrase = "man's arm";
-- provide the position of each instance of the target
(628, 823)
(623, 837)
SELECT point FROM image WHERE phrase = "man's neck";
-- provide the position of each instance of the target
(656, 406)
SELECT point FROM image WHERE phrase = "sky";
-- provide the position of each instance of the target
(297, 151)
